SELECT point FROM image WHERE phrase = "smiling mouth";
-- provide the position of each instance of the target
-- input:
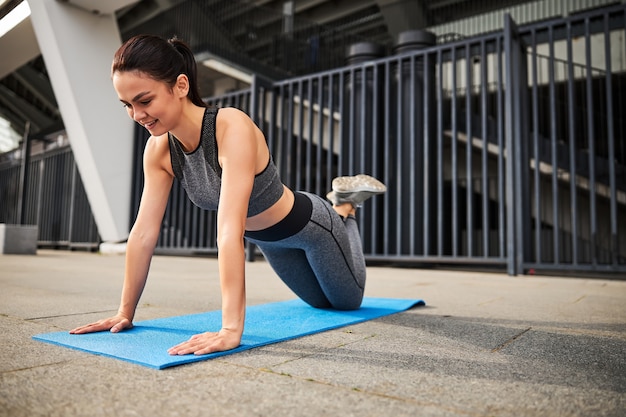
(149, 125)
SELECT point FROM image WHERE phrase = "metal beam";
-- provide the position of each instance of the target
(330, 11)
(23, 108)
(444, 3)
(101, 7)
(142, 12)
(38, 86)
(17, 122)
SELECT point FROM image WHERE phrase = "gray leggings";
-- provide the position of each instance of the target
(323, 262)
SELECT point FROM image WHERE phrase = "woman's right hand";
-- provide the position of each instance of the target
(114, 324)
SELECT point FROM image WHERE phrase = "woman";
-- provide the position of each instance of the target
(222, 160)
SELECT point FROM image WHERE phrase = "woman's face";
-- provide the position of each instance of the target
(151, 103)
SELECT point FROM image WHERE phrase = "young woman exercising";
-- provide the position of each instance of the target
(222, 160)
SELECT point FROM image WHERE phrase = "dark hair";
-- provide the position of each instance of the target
(163, 60)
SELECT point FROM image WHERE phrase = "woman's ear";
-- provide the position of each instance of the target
(182, 85)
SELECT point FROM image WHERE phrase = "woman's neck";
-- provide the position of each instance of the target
(188, 129)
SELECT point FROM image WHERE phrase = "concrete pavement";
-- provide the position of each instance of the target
(485, 345)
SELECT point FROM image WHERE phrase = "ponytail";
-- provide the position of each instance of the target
(191, 70)
(163, 60)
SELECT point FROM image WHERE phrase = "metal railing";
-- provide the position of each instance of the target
(54, 200)
(505, 150)
(576, 144)
(489, 157)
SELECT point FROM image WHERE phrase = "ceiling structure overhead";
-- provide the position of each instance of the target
(99, 6)
(249, 34)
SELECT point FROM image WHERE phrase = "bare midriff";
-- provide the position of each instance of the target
(272, 215)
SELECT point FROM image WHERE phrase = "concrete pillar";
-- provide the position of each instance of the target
(77, 47)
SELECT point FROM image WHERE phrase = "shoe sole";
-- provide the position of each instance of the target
(345, 186)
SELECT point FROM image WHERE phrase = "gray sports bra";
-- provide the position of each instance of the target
(201, 176)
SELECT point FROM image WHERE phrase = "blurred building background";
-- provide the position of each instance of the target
(578, 63)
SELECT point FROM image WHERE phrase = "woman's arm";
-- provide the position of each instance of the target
(238, 146)
(142, 239)
(145, 231)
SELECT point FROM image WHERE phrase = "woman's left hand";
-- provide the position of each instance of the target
(209, 342)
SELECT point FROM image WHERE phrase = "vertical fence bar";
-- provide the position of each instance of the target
(350, 139)
(45, 198)
(185, 226)
(342, 121)
(279, 125)
(522, 190)
(297, 160)
(193, 241)
(454, 161)
(376, 157)
(440, 168)
(202, 226)
(510, 31)
(591, 146)
(40, 193)
(468, 156)
(320, 138)
(64, 200)
(71, 197)
(32, 191)
(168, 240)
(426, 160)
(387, 174)
(271, 113)
(23, 187)
(412, 168)
(73, 200)
(399, 160)
(309, 148)
(536, 151)
(553, 150)
(484, 86)
(361, 136)
(174, 235)
(331, 131)
(288, 139)
(500, 114)
(572, 145)
(180, 217)
(614, 240)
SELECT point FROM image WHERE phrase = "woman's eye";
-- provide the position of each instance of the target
(145, 102)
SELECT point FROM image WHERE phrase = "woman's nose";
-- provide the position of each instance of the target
(137, 115)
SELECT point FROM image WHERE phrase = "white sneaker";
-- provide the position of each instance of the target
(355, 189)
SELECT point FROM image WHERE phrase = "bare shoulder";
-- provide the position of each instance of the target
(156, 146)
(231, 113)
(231, 118)
(157, 153)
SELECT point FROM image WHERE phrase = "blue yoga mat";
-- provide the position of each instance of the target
(147, 342)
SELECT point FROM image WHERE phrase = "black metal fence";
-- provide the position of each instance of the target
(506, 149)
(54, 199)
(574, 183)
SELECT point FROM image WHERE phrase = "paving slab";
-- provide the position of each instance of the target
(486, 344)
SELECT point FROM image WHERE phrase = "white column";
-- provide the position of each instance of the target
(77, 47)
